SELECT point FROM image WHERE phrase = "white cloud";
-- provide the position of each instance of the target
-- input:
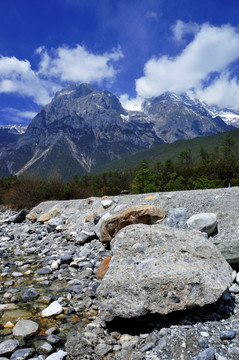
(223, 91)
(131, 103)
(62, 65)
(78, 65)
(17, 116)
(17, 76)
(211, 52)
(180, 29)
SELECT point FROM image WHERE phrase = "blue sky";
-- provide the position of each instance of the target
(134, 48)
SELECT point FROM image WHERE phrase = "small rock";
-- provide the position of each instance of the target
(177, 217)
(103, 267)
(24, 328)
(55, 265)
(204, 334)
(59, 355)
(207, 354)
(234, 289)
(17, 274)
(44, 271)
(4, 307)
(66, 258)
(32, 216)
(53, 309)
(21, 216)
(8, 346)
(237, 278)
(44, 218)
(106, 203)
(29, 294)
(234, 274)
(9, 325)
(85, 236)
(227, 334)
(22, 354)
(53, 339)
(204, 222)
(43, 347)
(53, 223)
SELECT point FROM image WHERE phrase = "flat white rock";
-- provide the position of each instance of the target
(59, 355)
(53, 309)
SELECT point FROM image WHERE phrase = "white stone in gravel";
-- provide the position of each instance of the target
(25, 328)
(234, 274)
(106, 203)
(54, 265)
(4, 307)
(53, 309)
(59, 355)
(204, 334)
(237, 278)
(7, 295)
(4, 238)
(17, 274)
(46, 347)
(204, 222)
(234, 289)
(8, 346)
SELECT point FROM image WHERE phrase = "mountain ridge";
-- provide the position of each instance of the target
(82, 128)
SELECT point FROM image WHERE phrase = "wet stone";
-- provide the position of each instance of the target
(53, 339)
(22, 354)
(43, 347)
(24, 328)
(53, 309)
(44, 271)
(5, 307)
(8, 346)
(16, 314)
(29, 294)
(59, 355)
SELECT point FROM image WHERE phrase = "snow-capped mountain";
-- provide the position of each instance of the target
(82, 128)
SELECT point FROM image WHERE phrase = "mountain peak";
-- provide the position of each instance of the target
(75, 91)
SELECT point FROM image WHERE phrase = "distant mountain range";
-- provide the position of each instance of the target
(83, 128)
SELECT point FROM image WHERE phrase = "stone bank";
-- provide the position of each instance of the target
(159, 289)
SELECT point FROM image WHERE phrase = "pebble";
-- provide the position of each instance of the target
(59, 355)
(24, 328)
(22, 354)
(29, 294)
(227, 335)
(8, 346)
(53, 309)
(207, 354)
(234, 289)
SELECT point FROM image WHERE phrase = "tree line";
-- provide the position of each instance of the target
(210, 170)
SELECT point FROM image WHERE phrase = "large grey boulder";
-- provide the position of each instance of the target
(158, 269)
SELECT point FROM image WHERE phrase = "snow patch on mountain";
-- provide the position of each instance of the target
(15, 128)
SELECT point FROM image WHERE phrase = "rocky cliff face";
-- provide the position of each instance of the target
(82, 128)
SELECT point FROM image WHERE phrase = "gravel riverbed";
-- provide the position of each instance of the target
(49, 280)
